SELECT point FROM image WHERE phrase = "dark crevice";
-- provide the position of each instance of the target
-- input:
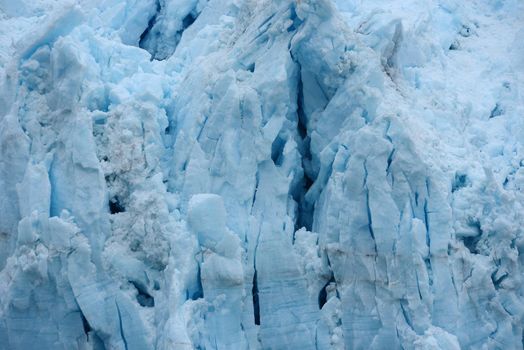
(85, 324)
(390, 160)
(145, 300)
(305, 210)
(121, 326)
(256, 305)
(277, 150)
(497, 281)
(150, 24)
(418, 287)
(370, 220)
(429, 268)
(368, 208)
(143, 297)
(496, 111)
(254, 289)
(257, 181)
(471, 242)
(188, 20)
(199, 292)
(427, 260)
(322, 296)
(505, 183)
(465, 31)
(460, 181)
(426, 223)
(201, 131)
(296, 22)
(301, 115)
(155, 38)
(115, 206)
(455, 45)
(266, 22)
(156, 285)
(92, 337)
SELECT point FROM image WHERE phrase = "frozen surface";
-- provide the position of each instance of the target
(227, 174)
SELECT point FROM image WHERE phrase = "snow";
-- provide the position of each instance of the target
(226, 174)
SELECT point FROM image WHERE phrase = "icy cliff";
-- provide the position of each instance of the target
(286, 174)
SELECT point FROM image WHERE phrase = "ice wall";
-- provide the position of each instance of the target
(314, 174)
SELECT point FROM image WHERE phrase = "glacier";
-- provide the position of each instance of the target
(256, 174)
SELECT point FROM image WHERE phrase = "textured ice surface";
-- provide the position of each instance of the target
(227, 174)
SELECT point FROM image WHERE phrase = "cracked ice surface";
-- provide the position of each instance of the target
(314, 174)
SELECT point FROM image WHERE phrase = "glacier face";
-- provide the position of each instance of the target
(226, 174)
